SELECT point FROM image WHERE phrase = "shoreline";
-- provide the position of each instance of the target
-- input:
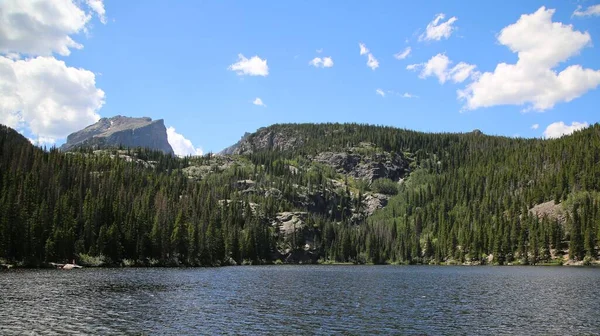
(593, 264)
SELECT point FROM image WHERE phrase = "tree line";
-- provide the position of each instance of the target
(467, 197)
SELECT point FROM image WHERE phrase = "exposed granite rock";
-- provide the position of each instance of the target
(289, 222)
(370, 203)
(208, 165)
(265, 139)
(128, 158)
(550, 210)
(124, 131)
(366, 166)
(234, 148)
(297, 239)
(374, 202)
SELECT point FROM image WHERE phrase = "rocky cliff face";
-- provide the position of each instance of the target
(368, 166)
(234, 148)
(124, 131)
(265, 139)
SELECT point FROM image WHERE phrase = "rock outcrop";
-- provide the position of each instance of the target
(265, 139)
(366, 166)
(550, 210)
(122, 131)
(233, 149)
(290, 222)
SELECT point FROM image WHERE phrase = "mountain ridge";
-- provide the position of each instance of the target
(122, 131)
(308, 192)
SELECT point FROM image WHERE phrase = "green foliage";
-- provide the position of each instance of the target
(385, 186)
(88, 260)
(467, 197)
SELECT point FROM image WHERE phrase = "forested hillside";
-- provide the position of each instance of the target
(307, 192)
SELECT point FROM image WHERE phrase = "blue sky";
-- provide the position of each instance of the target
(173, 60)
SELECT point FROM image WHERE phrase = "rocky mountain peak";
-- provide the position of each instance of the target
(124, 131)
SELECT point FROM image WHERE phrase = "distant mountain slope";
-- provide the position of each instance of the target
(122, 131)
(234, 148)
(304, 192)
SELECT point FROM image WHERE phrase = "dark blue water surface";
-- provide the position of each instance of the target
(296, 300)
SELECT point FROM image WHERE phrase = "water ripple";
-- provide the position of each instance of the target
(293, 300)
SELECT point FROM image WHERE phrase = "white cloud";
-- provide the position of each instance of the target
(98, 7)
(181, 146)
(535, 126)
(259, 102)
(435, 30)
(318, 62)
(327, 62)
(403, 54)
(590, 11)
(363, 48)
(43, 94)
(255, 66)
(37, 27)
(540, 45)
(394, 93)
(558, 129)
(461, 72)
(41, 141)
(372, 62)
(438, 66)
(13, 56)
(412, 67)
(48, 97)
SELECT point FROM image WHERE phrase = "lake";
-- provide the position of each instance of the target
(302, 300)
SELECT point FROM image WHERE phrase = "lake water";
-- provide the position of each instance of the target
(302, 300)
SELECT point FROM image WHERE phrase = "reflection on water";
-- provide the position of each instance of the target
(302, 300)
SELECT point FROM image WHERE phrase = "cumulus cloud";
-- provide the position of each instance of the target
(318, 62)
(436, 30)
(363, 49)
(436, 66)
(37, 27)
(439, 66)
(98, 7)
(462, 71)
(593, 10)
(38, 92)
(535, 126)
(258, 102)
(181, 146)
(403, 54)
(541, 45)
(48, 97)
(372, 62)
(254, 66)
(41, 141)
(380, 92)
(559, 129)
